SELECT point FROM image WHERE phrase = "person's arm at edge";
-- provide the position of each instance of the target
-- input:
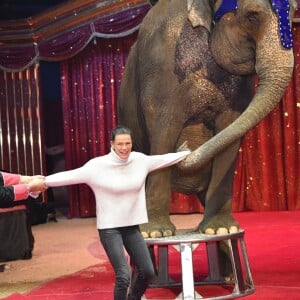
(70, 177)
(18, 187)
(9, 178)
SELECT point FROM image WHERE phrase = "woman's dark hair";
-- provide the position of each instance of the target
(120, 130)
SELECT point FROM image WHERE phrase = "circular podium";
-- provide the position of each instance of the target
(239, 285)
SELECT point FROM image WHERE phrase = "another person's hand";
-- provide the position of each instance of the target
(36, 185)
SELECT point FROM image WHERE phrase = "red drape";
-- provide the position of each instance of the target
(90, 82)
(268, 162)
(267, 171)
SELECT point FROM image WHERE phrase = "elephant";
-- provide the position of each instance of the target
(190, 77)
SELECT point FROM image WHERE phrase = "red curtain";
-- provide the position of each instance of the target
(267, 171)
(90, 82)
(268, 162)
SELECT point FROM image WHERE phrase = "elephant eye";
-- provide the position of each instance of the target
(253, 18)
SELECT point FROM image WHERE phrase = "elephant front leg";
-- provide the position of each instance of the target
(158, 193)
(220, 222)
(218, 217)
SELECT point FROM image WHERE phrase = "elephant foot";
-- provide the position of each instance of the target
(157, 229)
(221, 230)
(219, 224)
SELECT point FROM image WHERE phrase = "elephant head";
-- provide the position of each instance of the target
(257, 36)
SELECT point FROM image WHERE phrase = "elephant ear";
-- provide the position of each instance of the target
(200, 13)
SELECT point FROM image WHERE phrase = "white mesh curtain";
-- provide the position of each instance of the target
(21, 139)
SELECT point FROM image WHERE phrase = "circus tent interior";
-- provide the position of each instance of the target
(47, 46)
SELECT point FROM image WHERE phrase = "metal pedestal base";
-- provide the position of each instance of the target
(242, 283)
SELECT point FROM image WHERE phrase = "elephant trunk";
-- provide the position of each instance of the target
(274, 67)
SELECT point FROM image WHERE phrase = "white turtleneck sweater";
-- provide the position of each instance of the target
(118, 185)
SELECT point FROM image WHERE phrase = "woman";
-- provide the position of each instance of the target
(118, 182)
(15, 187)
